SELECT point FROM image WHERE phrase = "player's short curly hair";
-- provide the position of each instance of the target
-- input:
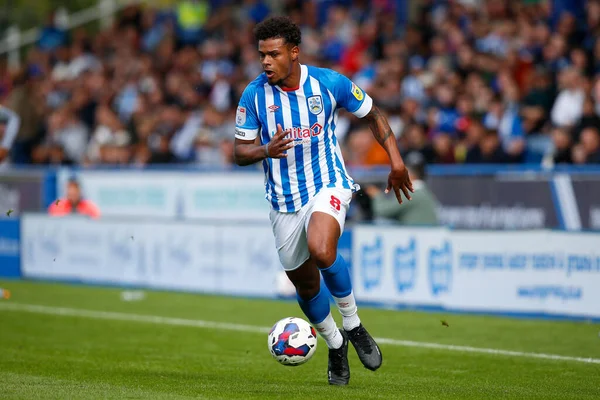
(278, 27)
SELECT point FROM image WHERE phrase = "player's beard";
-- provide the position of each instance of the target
(274, 81)
(279, 82)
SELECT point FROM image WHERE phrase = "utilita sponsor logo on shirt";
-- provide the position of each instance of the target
(302, 135)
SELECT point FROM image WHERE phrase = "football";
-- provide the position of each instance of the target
(292, 341)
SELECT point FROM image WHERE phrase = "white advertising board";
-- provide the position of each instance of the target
(173, 194)
(534, 272)
(214, 258)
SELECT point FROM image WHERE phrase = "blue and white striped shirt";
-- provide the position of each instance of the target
(310, 113)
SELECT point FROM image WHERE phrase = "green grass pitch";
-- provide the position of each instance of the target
(75, 342)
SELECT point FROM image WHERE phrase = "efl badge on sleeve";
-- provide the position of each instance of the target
(240, 116)
(357, 92)
(315, 104)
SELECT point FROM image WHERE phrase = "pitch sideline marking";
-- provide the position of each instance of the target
(153, 319)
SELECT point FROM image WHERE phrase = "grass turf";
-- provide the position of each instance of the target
(46, 356)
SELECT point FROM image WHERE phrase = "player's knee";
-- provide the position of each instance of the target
(322, 253)
(307, 292)
(307, 288)
(306, 280)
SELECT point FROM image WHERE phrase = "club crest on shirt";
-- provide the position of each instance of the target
(315, 104)
(240, 117)
(357, 92)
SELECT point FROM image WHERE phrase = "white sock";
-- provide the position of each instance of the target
(330, 332)
(349, 311)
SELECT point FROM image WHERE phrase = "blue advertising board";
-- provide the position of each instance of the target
(10, 259)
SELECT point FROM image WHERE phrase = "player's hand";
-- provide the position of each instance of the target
(3, 154)
(399, 180)
(278, 145)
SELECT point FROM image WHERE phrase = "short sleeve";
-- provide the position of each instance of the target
(246, 118)
(351, 97)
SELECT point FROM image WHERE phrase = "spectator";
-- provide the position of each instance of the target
(53, 154)
(109, 132)
(412, 84)
(74, 203)
(506, 121)
(9, 126)
(537, 102)
(561, 150)
(447, 115)
(5, 81)
(588, 151)
(191, 17)
(414, 139)
(170, 79)
(568, 106)
(443, 147)
(52, 36)
(487, 151)
(421, 210)
(588, 119)
(360, 148)
(26, 102)
(161, 153)
(68, 132)
(473, 136)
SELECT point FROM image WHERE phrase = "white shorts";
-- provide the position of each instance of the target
(290, 228)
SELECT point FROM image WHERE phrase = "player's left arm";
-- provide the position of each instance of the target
(359, 103)
(398, 178)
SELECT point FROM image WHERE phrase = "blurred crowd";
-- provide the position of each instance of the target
(462, 81)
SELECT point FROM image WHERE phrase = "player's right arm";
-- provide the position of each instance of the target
(248, 152)
(247, 148)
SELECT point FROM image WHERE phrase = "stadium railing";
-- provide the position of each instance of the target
(16, 39)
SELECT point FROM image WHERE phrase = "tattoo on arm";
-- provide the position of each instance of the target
(379, 125)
